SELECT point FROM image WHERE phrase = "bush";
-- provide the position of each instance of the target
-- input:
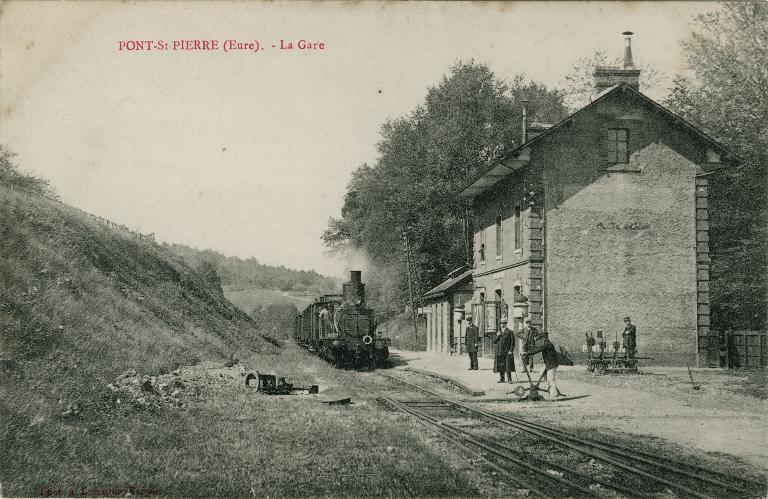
(400, 330)
(11, 177)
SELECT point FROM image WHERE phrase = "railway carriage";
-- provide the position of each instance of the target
(341, 328)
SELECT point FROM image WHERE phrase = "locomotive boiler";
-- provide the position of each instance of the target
(341, 328)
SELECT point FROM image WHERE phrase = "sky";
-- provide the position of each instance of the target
(249, 152)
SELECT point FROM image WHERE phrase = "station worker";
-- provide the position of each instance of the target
(538, 341)
(630, 338)
(471, 341)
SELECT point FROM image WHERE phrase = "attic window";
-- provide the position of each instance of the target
(617, 145)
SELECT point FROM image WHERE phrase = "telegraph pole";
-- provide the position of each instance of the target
(409, 270)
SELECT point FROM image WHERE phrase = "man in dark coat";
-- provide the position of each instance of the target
(505, 344)
(471, 341)
(630, 338)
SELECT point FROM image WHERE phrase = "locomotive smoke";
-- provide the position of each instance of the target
(356, 259)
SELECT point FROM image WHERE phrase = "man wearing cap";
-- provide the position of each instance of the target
(630, 338)
(471, 341)
(505, 344)
(526, 336)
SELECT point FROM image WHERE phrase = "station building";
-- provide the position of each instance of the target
(444, 312)
(600, 216)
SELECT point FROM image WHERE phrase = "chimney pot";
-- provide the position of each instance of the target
(628, 63)
(608, 76)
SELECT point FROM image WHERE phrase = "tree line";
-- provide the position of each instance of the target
(727, 97)
(232, 271)
(465, 122)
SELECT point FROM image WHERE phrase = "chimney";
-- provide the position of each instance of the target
(610, 76)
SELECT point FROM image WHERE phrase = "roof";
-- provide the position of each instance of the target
(446, 285)
(516, 158)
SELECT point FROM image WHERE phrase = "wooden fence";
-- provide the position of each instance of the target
(112, 225)
(747, 349)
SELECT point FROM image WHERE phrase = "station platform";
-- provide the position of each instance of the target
(659, 402)
(483, 380)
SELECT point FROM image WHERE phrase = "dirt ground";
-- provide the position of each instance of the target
(726, 416)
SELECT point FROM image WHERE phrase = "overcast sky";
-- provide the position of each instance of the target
(249, 153)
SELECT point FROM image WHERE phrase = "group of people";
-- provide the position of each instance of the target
(534, 342)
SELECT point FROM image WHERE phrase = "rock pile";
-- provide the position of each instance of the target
(146, 391)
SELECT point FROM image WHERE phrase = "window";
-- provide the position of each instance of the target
(518, 229)
(498, 236)
(502, 310)
(617, 145)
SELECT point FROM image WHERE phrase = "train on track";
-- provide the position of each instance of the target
(342, 329)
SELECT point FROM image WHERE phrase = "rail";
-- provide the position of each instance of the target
(647, 466)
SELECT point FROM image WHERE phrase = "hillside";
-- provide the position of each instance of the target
(81, 303)
(115, 381)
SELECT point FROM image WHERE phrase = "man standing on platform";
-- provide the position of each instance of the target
(526, 335)
(630, 338)
(505, 343)
(471, 341)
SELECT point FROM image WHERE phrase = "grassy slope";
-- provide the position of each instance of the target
(80, 304)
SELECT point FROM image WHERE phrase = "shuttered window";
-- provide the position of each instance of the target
(617, 145)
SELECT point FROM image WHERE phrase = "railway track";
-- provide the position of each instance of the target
(550, 462)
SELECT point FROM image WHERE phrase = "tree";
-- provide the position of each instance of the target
(579, 86)
(464, 124)
(728, 98)
(209, 273)
(275, 319)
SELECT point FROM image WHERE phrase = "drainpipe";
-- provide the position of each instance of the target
(525, 121)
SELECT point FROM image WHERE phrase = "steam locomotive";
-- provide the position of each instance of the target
(342, 329)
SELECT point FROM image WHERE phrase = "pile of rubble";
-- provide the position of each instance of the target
(148, 391)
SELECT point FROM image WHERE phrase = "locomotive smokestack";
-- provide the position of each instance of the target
(354, 290)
